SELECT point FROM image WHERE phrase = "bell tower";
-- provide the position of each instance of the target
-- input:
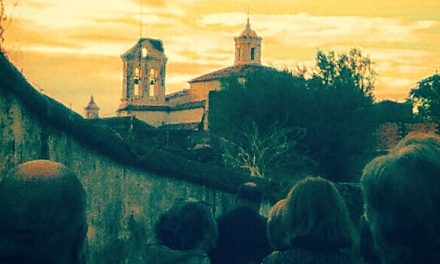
(144, 74)
(247, 47)
(91, 110)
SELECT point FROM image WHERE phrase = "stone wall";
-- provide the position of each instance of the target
(193, 115)
(124, 199)
(200, 90)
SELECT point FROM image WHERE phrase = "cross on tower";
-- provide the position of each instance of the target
(141, 22)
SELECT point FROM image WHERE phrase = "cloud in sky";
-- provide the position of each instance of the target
(310, 30)
(401, 36)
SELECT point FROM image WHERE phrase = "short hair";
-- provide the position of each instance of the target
(187, 225)
(250, 191)
(275, 228)
(401, 192)
(317, 216)
(42, 214)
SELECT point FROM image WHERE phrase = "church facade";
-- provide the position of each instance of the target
(143, 91)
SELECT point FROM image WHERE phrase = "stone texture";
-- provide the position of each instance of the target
(123, 202)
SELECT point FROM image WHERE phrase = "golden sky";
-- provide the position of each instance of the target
(70, 49)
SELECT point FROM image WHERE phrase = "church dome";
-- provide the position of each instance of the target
(92, 105)
(248, 32)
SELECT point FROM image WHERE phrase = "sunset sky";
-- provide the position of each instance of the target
(70, 49)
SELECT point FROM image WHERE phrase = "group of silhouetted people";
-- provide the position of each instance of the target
(42, 218)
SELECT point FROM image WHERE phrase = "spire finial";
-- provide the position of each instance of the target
(248, 25)
(141, 22)
(91, 99)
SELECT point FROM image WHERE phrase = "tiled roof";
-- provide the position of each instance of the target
(163, 108)
(248, 32)
(157, 108)
(240, 69)
(92, 105)
(189, 105)
(182, 126)
(156, 43)
(177, 94)
(123, 123)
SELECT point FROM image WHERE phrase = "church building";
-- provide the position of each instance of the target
(143, 91)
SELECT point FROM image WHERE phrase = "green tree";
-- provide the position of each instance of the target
(334, 106)
(267, 97)
(254, 121)
(342, 120)
(426, 98)
(391, 111)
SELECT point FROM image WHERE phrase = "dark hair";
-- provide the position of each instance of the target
(42, 214)
(402, 200)
(366, 245)
(275, 228)
(187, 225)
(317, 217)
(250, 191)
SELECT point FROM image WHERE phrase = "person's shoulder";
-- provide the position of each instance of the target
(232, 214)
(160, 254)
(347, 256)
(196, 258)
(296, 255)
(341, 256)
(241, 215)
(271, 258)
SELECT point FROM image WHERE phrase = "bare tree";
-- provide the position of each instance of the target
(259, 153)
(3, 22)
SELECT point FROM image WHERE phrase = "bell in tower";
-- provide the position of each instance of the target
(144, 74)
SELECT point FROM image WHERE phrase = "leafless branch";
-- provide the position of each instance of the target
(3, 20)
(259, 153)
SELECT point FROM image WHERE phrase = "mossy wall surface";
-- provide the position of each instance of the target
(123, 202)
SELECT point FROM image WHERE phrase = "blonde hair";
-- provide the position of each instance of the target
(402, 199)
(317, 217)
(275, 228)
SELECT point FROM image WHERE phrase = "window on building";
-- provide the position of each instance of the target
(144, 52)
(151, 90)
(238, 53)
(252, 53)
(152, 81)
(136, 90)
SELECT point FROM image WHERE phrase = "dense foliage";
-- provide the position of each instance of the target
(391, 111)
(426, 98)
(331, 103)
